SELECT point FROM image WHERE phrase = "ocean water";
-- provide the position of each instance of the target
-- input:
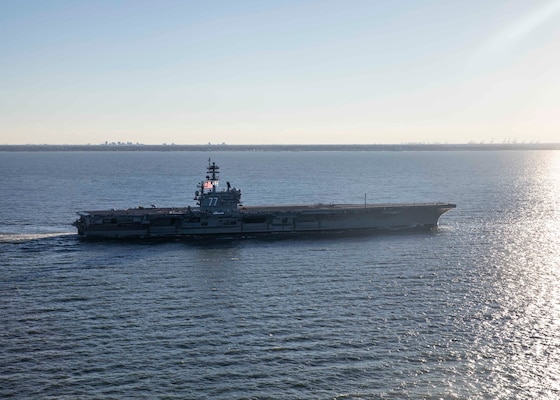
(471, 311)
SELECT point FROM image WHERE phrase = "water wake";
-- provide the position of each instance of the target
(27, 237)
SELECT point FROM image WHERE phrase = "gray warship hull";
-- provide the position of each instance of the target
(219, 212)
(191, 222)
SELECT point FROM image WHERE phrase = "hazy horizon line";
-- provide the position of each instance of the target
(280, 147)
(125, 144)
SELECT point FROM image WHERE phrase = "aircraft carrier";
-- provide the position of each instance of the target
(220, 213)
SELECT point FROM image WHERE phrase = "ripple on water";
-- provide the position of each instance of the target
(470, 311)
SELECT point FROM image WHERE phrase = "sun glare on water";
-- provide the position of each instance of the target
(523, 306)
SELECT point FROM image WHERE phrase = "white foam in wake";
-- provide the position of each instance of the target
(26, 237)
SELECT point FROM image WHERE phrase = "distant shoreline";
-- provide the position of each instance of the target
(287, 147)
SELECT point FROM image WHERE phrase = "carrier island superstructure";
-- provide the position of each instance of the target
(220, 213)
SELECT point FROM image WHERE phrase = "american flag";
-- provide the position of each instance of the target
(208, 185)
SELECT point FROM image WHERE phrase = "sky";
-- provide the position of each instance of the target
(279, 72)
